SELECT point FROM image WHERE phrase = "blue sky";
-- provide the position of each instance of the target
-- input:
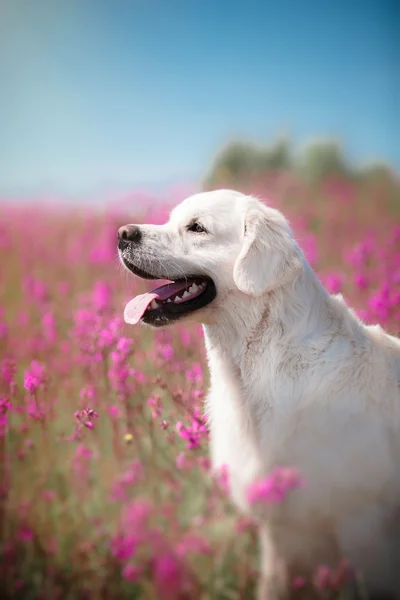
(97, 94)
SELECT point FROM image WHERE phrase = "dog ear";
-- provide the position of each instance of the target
(270, 256)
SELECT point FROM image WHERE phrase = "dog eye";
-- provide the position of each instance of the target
(197, 228)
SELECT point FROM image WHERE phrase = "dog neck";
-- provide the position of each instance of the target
(295, 310)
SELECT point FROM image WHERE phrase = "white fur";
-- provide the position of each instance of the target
(296, 379)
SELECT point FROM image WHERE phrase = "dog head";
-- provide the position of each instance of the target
(216, 245)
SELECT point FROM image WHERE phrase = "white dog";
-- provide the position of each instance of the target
(296, 380)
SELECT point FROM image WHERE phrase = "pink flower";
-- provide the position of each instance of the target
(360, 254)
(30, 383)
(362, 314)
(361, 281)
(33, 409)
(35, 289)
(106, 338)
(274, 488)
(125, 481)
(155, 402)
(119, 374)
(3, 330)
(114, 411)
(131, 572)
(222, 477)
(195, 373)
(168, 576)
(101, 296)
(26, 534)
(34, 376)
(204, 463)
(5, 408)
(124, 347)
(123, 546)
(324, 577)
(86, 417)
(49, 495)
(8, 368)
(243, 524)
(166, 351)
(379, 303)
(83, 452)
(87, 393)
(310, 248)
(136, 515)
(185, 337)
(193, 543)
(193, 433)
(334, 283)
(49, 326)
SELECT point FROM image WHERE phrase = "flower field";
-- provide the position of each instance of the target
(105, 486)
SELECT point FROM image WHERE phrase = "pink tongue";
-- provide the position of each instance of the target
(136, 308)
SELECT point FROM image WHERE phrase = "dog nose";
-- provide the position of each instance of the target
(128, 233)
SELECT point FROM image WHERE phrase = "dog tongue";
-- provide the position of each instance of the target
(136, 308)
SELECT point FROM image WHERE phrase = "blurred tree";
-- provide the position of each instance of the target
(276, 157)
(378, 171)
(233, 162)
(321, 159)
(241, 161)
(379, 179)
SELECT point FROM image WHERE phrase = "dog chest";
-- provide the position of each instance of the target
(233, 440)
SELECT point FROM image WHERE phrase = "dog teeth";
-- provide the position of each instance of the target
(188, 293)
(153, 305)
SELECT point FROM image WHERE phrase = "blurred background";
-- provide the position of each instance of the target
(99, 97)
(110, 113)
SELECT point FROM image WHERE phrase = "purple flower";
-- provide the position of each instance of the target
(86, 417)
(125, 481)
(7, 370)
(5, 407)
(168, 576)
(334, 283)
(131, 572)
(275, 487)
(193, 433)
(34, 376)
(195, 373)
(123, 546)
(101, 296)
(155, 403)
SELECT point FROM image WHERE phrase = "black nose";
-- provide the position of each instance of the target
(127, 234)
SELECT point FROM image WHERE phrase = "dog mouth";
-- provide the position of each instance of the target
(169, 302)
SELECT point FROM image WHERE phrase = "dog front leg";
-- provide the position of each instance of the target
(273, 580)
